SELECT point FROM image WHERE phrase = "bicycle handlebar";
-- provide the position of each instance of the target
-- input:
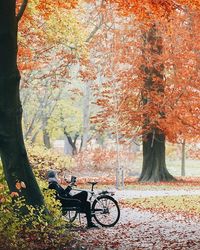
(92, 182)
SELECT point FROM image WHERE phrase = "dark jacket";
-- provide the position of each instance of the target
(60, 191)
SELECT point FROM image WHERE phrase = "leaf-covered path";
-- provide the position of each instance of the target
(145, 230)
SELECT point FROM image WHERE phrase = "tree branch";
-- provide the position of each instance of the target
(94, 31)
(21, 10)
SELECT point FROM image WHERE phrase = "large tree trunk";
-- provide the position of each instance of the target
(12, 150)
(154, 166)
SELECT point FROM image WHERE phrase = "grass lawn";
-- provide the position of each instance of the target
(186, 183)
(177, 204)
(192, 167)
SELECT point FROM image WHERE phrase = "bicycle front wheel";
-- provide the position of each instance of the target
(106, 211)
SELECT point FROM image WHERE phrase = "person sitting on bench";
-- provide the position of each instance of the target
(65, 193)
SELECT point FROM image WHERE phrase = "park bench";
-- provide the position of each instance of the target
(72, 209)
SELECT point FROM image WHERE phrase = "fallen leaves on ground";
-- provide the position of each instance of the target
(153, 223)
(143, 230)
(186, 183)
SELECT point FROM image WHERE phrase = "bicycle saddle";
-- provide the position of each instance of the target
(92, 182)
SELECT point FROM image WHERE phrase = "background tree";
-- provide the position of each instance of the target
(58, 55)
(149, 96)
(66, 122)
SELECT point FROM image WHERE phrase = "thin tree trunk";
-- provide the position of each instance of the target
(42, 115)
(183, 159)
(12, 150)
(86, 116)
(46, 139)
(67, 146)
(71, 142)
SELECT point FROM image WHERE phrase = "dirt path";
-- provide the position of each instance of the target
(142, 230)
(122, 194)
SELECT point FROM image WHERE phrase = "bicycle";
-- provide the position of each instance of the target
(104, 208)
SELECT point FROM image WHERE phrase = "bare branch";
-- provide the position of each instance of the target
(96, 28)
(21, 10)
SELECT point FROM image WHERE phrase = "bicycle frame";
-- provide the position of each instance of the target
(93, 195)
(102, 203)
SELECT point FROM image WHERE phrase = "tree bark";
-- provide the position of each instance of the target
(154, 165)
(72, 142)
(46, 139)
(12, 150)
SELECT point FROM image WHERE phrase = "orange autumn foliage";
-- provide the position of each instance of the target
(120, 54)
(172, 102)
(158, 8)
(32, 30)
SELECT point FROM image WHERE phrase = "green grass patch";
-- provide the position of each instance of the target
(167, 186)
(183, 204)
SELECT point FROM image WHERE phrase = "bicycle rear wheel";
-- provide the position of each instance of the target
(70, 216)
(106, 211)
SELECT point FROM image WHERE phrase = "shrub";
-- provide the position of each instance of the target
(43, 159)
(34, 229)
